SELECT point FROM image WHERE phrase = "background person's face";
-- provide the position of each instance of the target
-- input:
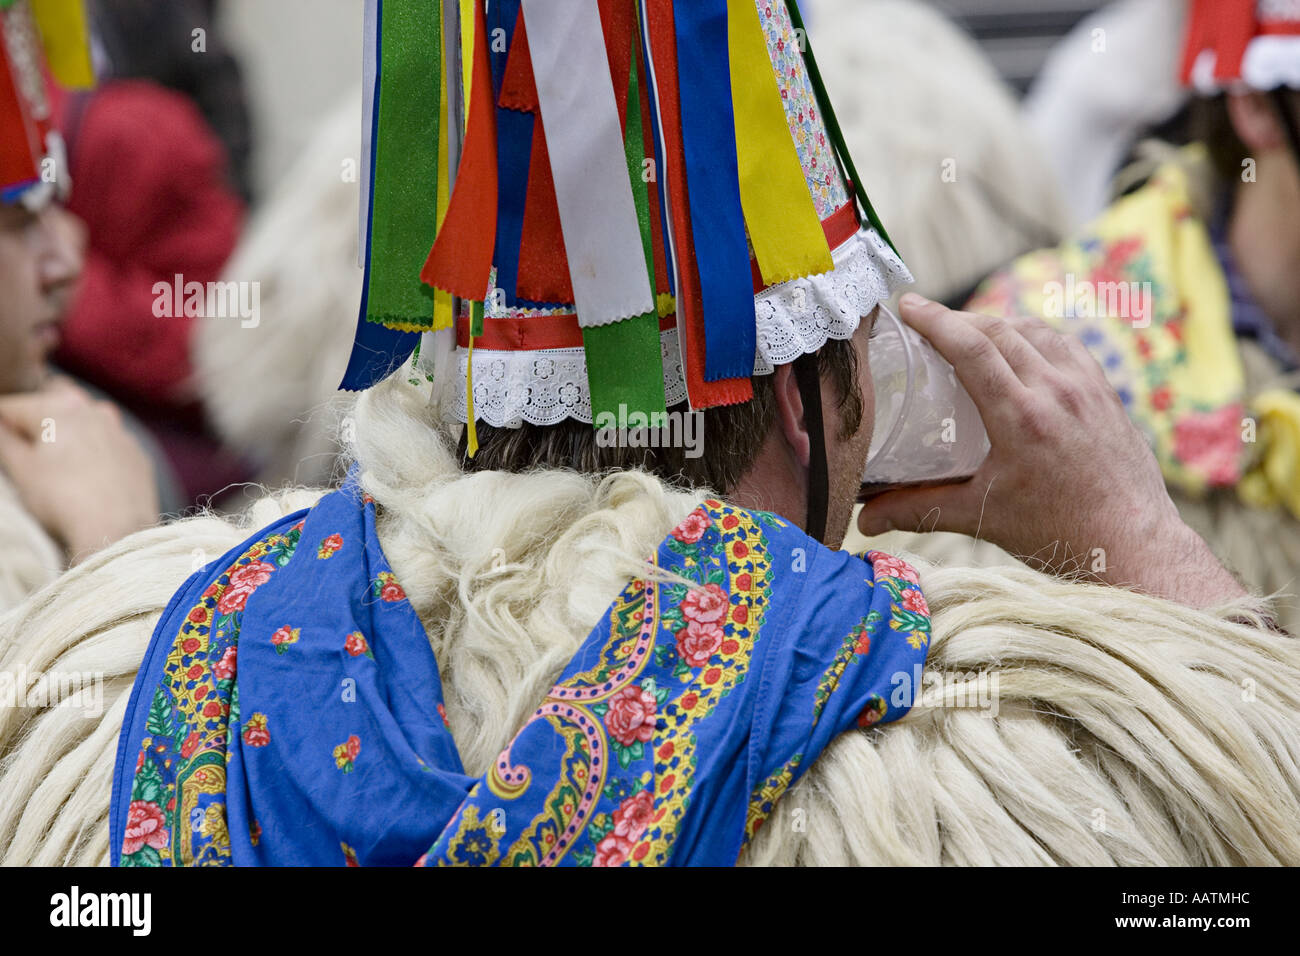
(40, 259)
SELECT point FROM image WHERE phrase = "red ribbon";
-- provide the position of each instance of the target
(1224, 26)
(690, 307)
(460, 261)
(23, 136)
(561, 331)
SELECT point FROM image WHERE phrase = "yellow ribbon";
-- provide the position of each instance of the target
(467, 64)
(471, 426)
(443, 315)
(782, 220)
(67, 41)
(466, 50)
(1275, 478)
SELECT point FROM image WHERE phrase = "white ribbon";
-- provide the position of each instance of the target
(602, 235)
(369, 93)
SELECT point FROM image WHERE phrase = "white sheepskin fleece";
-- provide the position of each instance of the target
(1128, 730)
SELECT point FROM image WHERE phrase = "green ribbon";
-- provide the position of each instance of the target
(625, 359)
(404, 212)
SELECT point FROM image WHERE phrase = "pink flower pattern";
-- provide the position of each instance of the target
(692, 527)
(631, 716)
(698, 642)
(243, 582)
(705, 604)
(886, 565)
(144, 827)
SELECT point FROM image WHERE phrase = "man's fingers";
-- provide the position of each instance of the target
(1062, 349)
(979, 361)
(942, 508)
(1029, 363)
(1051, 344)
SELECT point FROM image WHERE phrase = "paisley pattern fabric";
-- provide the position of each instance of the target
(290, 712)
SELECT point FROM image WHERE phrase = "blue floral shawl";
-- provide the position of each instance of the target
(289, 709)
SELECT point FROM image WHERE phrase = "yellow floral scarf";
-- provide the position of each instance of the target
(1142, 288)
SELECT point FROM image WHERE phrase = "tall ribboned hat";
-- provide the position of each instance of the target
(1250, 43)
(598, 205)
(36, 35)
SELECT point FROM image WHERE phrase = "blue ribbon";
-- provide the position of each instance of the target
(717, 219)
(514, 156)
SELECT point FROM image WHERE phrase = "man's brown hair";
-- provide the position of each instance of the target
(732, 436)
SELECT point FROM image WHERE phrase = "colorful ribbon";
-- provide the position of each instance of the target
(625, 359)
(460, 261)
(779, 211)
(22, 136)
(717, 217)
(376, 350)
(661, 37)
(602, 238)
(404, 200)
(514, 149)
(66, 39)
(444, 303)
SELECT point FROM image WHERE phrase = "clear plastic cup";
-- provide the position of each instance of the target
(927, 429)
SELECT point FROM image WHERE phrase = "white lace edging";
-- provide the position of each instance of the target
(798, 316)
(547, 386)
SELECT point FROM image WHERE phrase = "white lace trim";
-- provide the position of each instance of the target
(545, 387)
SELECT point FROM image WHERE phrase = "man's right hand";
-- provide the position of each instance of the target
(1070, 483)
(78, 470)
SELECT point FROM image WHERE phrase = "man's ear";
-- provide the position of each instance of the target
(789, 414)
(1255, 121)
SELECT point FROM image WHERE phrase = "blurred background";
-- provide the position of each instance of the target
(294, 82)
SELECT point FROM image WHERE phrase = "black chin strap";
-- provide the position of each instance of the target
(810, 390)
